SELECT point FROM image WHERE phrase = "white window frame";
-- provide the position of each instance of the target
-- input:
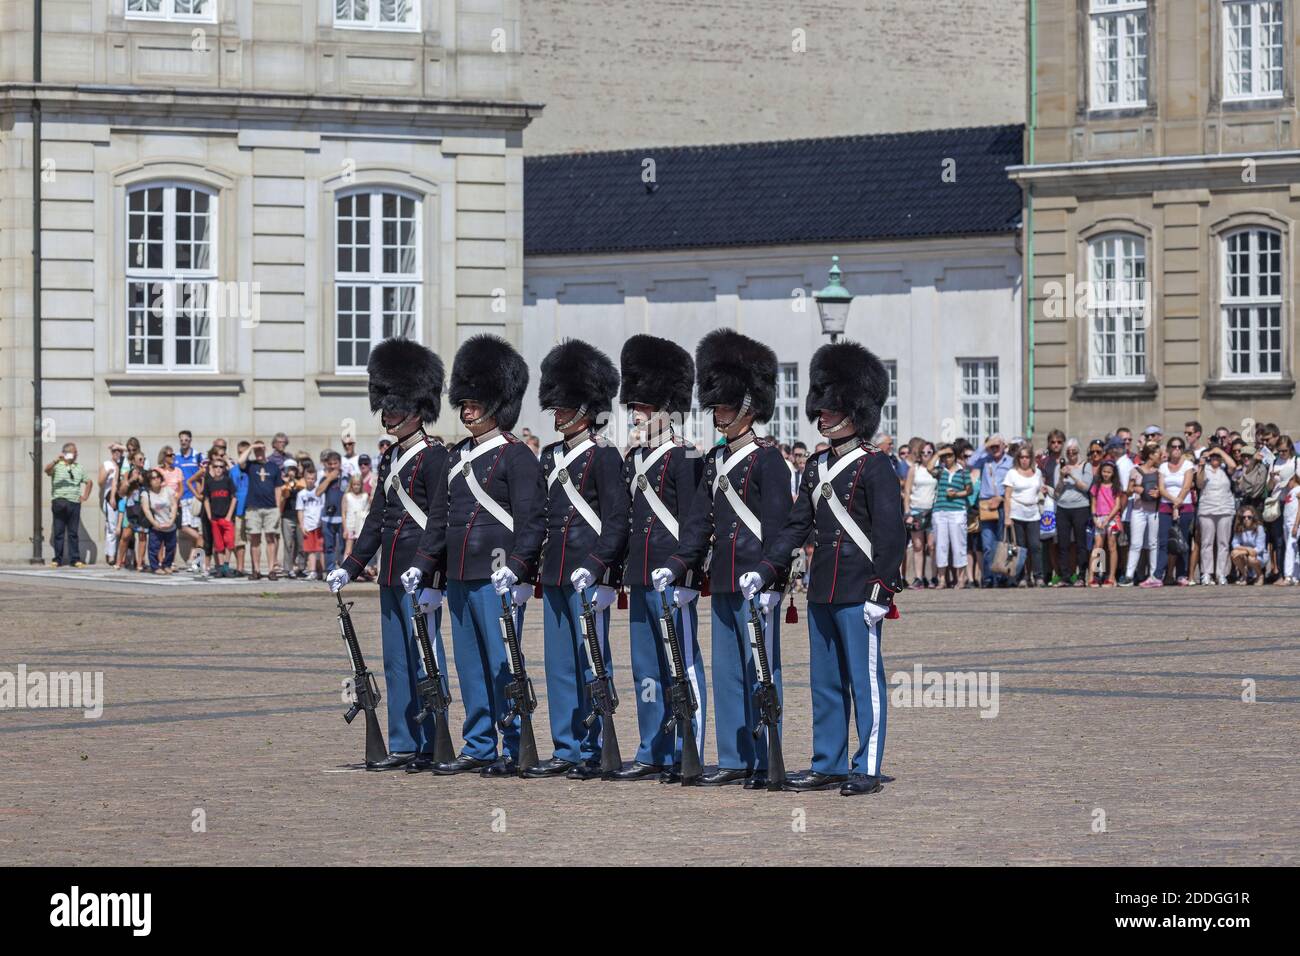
(986, 419)
(167, 12)
(1132, 24)
(372, 21)
(889, 411)
(785, 423)
(1128, 300)
(1253, 301)
(375, 279)
(1257, 72)
(168, 278)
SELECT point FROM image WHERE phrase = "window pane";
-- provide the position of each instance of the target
(399, 311)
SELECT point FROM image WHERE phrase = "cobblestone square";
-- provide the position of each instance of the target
(1121, 707)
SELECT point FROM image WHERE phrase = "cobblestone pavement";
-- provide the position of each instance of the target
(224, 697)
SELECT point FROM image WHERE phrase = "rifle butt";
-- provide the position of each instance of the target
(443, 751)
(775, 760)
(376, 750)
(611, 760)
(527, 744)
(692, 769)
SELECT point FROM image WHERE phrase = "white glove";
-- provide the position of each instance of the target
(411, 580)
(522, 592)
(503, 579)
(429, 600)
(604, 597)
(661, 578)
(581, 579)
(751, 582)
(336, 579)
(873, 613)
(769, 601)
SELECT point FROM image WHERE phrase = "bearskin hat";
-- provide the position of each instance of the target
(845, 377)
(731, 366)
(487, 369)
(575, 374)
(657, 372)
(405, 377)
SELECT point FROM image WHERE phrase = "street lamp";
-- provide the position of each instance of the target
(833, 303)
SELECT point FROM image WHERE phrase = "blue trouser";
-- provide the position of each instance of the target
(1162, 547)
(735, 681)
(403, 667)
(846, 671)
(568, 671)
(164, 542)
(990, 535)
(333, 534)
(482, 668)
(653, 677)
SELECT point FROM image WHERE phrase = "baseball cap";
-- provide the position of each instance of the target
(1154, 430)
(363, 460)
(1249, 450)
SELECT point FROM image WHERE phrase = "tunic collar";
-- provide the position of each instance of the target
(416, 437)
(576, 439)
(845, 445)
(487, 436)
(736, 444)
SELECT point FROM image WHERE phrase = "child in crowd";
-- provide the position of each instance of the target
(1107, 502)
(309, 507)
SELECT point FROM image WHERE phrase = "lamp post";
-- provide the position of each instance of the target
(833, 303)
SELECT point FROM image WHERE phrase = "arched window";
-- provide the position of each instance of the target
(1117, 309)
(377, 272)
(171, 273)
(1251, 303)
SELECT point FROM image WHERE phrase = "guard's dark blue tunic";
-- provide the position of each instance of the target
(390, 529)
(675, 479)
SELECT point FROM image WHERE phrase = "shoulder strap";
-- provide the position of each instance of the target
(561, 473)
(640, 483)
(733, 497)
(838, 511)
(488, 503)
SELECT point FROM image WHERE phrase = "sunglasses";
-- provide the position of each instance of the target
(1176, 446)
(1094, 451)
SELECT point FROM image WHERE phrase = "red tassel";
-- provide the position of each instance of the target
(705, 590)
(622, 600)
(537, 590)
(792, 612)
(893, 614)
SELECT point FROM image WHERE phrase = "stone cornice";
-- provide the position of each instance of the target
(1272, 169)
(297, 110)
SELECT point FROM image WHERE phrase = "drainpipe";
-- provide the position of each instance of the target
(1028, 290)
(38, 475)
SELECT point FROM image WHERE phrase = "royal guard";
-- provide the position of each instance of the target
(849, 499)
(490, 512)
(406, 390)
(743, 501)
(662, 472)
(586, 540)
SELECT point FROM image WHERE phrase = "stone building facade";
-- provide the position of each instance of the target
(1162, 188)
(238, 199)
(617, 74)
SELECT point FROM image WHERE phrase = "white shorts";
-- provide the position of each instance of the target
(190, 513)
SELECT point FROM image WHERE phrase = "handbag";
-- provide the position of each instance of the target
(1272, 509)
(989, 508)
(1177, 543)
(1005, 555)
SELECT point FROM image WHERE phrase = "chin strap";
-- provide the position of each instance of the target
(826, 432)
(745, 404)
(480, 420)
(578, 416)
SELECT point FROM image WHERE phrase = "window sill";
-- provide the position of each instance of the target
(1114, 391)
(1250, 388)
(345, 385)
(174, 384)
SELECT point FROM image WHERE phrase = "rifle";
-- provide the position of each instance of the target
(433, 691)
(365, 690)
(681, 698)
(604, 700)
(519, 692)
(767, 701)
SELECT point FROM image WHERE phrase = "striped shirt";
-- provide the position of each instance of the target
(957, 479)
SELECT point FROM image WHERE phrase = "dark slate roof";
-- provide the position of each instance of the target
(845, 188)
